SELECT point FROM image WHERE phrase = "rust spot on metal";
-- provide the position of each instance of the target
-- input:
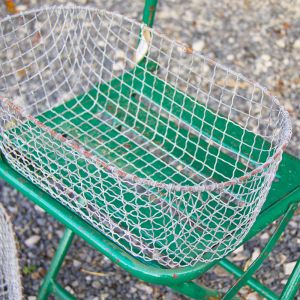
(87, 153)
(121, 173)
(151, 9)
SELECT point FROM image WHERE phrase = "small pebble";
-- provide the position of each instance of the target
(30, 242)
(231, 40)
(280, 43)
(96, 284)
(21, 8)
(288, 268)
(199, 45)
(39, 209)
(76, 263)
(70, 290)
(120, 54)
(146, 288)
(294, 224)
(239, 257)
(252, 296)
(265, 236)
(230, 57)
(289, 107)
(296, 44)
(266, 57)
(81, 2)
(104, 296)
(118, 65)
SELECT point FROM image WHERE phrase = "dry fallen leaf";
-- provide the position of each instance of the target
(21, 73)
(11, 7)
(232, 83)
(188, 49)
(286, 25)
(100, 274)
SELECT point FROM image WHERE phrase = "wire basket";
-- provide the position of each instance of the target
(10, 282)
(166, 152)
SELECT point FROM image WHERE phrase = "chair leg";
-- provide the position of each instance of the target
(195, 291)
(251, 282)
(49, 285)
(264, 254)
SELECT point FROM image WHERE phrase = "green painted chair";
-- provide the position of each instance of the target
(160, 158)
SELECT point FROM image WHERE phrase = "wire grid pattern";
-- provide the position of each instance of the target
(171, 158)
(10, 282)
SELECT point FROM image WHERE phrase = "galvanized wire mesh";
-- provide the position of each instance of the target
(163, 150)
(10, 282)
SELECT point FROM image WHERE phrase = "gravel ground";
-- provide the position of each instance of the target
(260, 39)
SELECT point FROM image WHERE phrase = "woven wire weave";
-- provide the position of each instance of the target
(171, 158)
(10, 282)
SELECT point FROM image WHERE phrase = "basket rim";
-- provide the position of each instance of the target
(286, 128)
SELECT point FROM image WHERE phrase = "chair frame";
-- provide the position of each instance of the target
(281, 204)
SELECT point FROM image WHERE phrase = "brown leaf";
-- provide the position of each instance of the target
(286, 25)
(188, 49)
(233, 83)
(11, 7)
(21, 73)
(99, 274)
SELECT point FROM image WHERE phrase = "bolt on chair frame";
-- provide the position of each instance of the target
(281, 204)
